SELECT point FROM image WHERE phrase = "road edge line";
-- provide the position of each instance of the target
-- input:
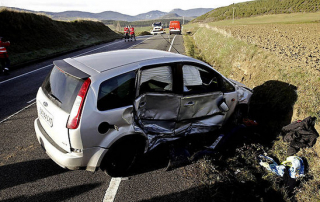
(140, 42)
(25, 74)
(112, 189)
(52, 64)
(2, 121)
(172, 43)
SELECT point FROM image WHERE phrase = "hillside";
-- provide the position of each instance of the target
(111, 15)
(170, 16)
(191, 12)
(260, 7)
(35, 36)
(150, 15)
(74, 15)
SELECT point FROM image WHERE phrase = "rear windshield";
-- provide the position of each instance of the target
(61, 88)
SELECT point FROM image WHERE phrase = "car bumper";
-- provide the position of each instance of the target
(156, 32)
(88, 159)
(175, 31)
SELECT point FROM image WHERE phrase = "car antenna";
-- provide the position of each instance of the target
(170, 43)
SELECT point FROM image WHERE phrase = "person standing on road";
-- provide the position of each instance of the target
(126, 33)
(132, 34)
(4, 57)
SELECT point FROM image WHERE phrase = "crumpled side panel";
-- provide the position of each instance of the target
(211, 123)
(207, 125)
(162, 118)
(158, 106)
(199, 106)
(157, 127)
(154, 139)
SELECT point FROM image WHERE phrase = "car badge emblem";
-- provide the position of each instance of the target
(45, 104)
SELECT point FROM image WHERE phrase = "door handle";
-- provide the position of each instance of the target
(188, 104)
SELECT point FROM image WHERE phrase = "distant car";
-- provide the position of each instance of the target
(107, 108)
(157, 28)
(174, 27)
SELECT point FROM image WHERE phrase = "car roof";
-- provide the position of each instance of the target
(105, 61)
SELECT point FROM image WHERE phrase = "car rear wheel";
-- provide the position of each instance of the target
(121, 156)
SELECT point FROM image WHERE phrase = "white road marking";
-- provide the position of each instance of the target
(31, 100)
(140, 42)
(52, 64)
(25, 74)
(17, 112)
(172, 43)
(112, 190)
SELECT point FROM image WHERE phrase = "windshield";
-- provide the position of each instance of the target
(157, 24)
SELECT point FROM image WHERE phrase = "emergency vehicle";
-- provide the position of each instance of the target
(157, 28)
(175, 27)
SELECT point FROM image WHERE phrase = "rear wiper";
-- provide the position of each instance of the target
(54, 97)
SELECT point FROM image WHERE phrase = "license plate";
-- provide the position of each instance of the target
(46, 116)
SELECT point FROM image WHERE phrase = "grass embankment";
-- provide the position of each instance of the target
(282, 66)
(35, 36)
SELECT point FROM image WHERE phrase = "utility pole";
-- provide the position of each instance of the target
(183, 20)
(233, 8)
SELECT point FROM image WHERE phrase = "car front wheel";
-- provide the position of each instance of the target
(239, 113)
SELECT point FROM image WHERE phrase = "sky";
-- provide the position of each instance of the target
(129, 7)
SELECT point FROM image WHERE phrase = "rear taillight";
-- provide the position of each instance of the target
(75, 114)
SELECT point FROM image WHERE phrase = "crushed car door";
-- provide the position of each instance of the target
(156, 107)
(202, 108)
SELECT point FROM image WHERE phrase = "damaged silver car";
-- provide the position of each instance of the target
(105, 109)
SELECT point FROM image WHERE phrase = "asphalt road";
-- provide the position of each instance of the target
(28, 174)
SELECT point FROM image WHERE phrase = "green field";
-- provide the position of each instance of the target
(292, 18)
(260, 7)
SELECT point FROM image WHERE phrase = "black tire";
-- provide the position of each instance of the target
(239, 113)
(121, 156)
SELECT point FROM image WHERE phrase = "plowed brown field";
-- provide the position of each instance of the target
(294, 43)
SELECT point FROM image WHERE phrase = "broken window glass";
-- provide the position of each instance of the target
(197, 80)
(158, 79)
